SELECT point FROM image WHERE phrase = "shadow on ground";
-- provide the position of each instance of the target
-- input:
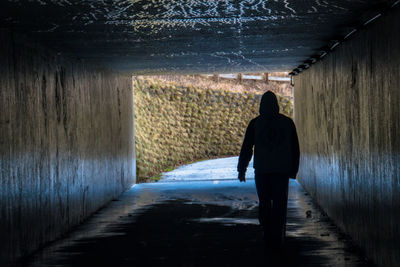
(197, 216)
(177, 233)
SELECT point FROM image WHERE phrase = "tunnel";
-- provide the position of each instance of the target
(66, 107)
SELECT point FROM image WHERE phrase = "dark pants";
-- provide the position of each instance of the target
(272, 190)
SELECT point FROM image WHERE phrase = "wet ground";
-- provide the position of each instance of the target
(199, 215)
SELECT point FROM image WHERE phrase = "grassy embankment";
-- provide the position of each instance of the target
(176, 125)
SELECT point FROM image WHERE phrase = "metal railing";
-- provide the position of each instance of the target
(257, 77)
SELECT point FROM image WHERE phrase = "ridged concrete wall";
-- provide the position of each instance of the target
(66, 143)
(347, 112)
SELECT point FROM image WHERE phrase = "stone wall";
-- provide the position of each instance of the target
(347, 112)
(66, 143)
(177, 124)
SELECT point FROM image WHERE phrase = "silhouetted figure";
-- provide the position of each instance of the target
(276, 159)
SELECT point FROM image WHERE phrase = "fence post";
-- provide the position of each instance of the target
(266, 77)
(216, 77)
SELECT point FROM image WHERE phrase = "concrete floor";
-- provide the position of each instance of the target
(199, 215)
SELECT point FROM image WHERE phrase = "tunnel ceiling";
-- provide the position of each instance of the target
(187, 36)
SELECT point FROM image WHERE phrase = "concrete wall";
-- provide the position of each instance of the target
(347, 110)
(66, 143)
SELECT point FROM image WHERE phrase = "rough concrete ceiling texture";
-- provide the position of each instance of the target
(187, 36)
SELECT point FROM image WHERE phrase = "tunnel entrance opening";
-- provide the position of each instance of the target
(182, 119)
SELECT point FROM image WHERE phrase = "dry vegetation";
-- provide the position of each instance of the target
(250, 86)
(176, 123)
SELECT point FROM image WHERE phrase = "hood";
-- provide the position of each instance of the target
(269, 104)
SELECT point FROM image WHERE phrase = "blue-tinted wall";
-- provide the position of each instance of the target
(66, 143)
(347, 111)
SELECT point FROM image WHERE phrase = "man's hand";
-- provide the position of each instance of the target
(242, 176)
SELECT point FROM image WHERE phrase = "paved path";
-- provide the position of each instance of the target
(198, 215)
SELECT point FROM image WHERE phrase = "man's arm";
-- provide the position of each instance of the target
(295, 152)
(247, 151)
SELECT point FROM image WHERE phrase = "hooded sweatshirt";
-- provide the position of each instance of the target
(274, 138)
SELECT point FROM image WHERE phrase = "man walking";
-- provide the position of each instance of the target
(276, 159)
